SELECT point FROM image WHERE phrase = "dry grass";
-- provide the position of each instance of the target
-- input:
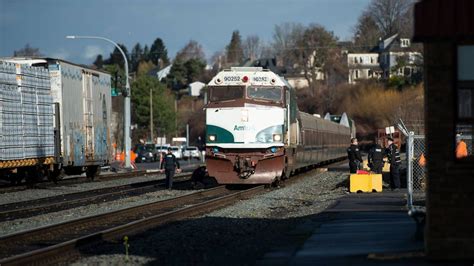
(372, 106)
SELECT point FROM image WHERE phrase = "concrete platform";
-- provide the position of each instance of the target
(359, 229)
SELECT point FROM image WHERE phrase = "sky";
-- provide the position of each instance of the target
(44, 24)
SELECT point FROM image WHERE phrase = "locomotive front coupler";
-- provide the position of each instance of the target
(245, 167)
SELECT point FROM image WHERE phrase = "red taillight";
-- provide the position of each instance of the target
(245, 79)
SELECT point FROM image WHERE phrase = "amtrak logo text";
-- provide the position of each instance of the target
(243, 128)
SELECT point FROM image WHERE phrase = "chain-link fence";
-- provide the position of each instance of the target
(416, 168)
(419, 163)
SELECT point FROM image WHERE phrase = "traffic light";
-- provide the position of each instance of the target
(115, 89)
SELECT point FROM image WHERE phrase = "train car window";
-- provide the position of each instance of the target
(225, 93)
(265, 93)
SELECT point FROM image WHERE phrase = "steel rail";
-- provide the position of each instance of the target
(31, 208)
(72, 180)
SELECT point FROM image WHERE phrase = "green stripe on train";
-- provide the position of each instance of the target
(222, 135)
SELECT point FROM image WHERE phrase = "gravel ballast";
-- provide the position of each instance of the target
(236, 235)
(13, 226)
(37, 193)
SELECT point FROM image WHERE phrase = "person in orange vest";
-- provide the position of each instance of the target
(461, 147)
(133, 157)
(422, 160)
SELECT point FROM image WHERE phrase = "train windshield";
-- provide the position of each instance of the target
(225, 93)
(273, 94)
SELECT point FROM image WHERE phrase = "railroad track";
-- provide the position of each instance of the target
(72, 181)
(64, 241)
(57, 243)
(35, 207)
(8, 188)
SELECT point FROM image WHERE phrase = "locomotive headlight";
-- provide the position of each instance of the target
(270, 134)
(212, 137)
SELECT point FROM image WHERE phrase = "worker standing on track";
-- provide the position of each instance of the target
(394, 159)
(375, 158)
(169, 165)
(353, 154)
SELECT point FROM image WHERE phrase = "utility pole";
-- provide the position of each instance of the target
(187, 134)
(176, 114)
(151, 115)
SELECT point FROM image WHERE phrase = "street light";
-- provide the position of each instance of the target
(126, 115)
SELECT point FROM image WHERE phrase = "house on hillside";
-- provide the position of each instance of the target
(393, 56)
(363, 66)
(398, 57)
(295, 78)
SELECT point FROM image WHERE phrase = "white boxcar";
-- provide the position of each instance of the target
(84, 103)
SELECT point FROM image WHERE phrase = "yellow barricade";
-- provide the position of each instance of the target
(365, 183)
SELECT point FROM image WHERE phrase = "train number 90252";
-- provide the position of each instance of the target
(232, 78)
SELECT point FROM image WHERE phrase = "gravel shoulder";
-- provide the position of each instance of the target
(237, 235)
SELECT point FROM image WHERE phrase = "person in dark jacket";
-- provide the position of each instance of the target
(375, 158)
(394, 160)
(353, 154)
(170, 164)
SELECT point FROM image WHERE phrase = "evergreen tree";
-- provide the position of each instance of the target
(194, 69)
(183, 73)
(146, 53)
(27, 51)
(177, 78)
(116, 57)
(158, 52)
(235, 53)
(99, 61)
(136, 56)
(163, 109)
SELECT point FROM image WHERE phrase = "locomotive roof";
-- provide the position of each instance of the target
(245, 76)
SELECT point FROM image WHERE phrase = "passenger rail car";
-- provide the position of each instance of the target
(255, 133)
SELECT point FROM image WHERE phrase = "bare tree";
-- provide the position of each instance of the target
(192, 50)
(407, 22)
(389, 14)
(27, 51)
(315, 47)
(267, 51)
(366, 33)
(218, 61)
(285, 42)
(252, 47)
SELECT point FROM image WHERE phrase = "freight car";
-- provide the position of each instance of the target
(54, 119)
(255, 133)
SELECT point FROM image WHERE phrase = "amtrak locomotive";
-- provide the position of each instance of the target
(256, 134)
